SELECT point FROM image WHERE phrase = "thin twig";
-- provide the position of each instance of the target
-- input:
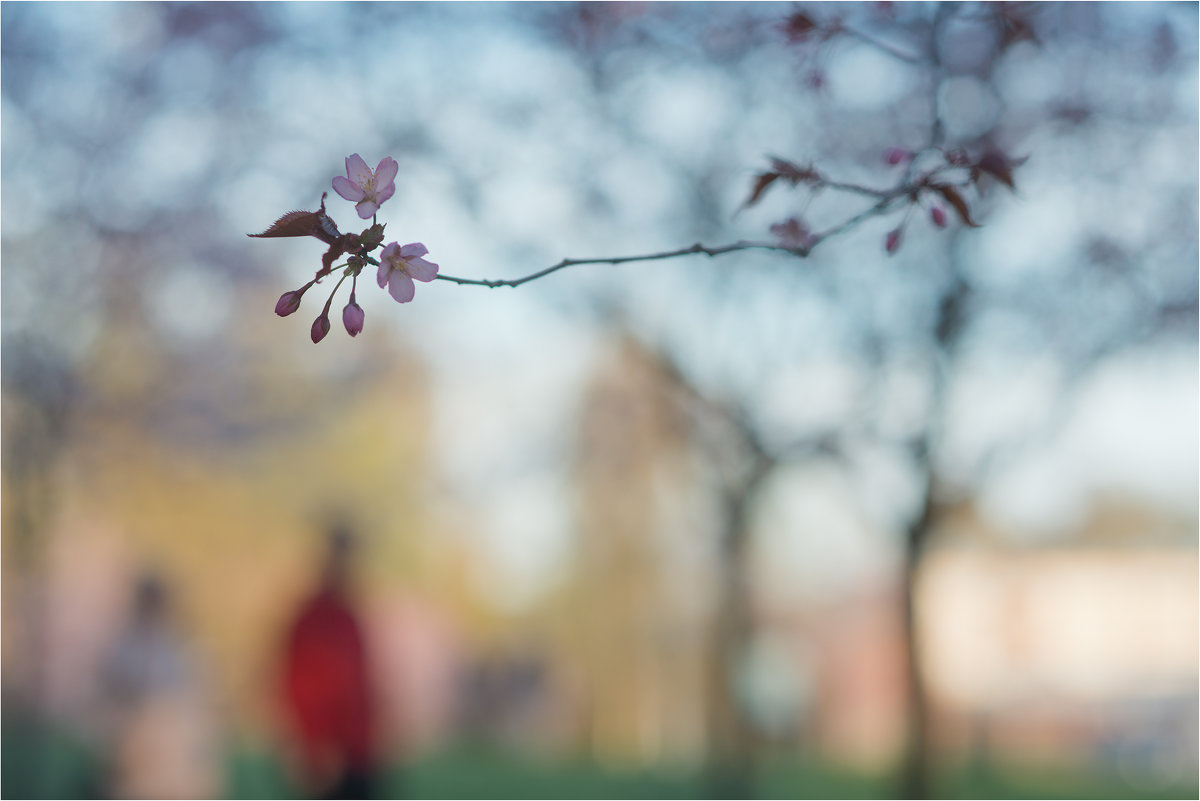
(894, 52)
(669, 254)
(825, 183)
(885, 200)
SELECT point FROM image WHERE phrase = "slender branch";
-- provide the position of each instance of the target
(885, 200)
(669, 254)
(894, 52)
(845, 225)
(855, 188)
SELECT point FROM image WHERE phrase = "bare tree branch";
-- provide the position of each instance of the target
(886, 199)
(879, 44)
(669, 254)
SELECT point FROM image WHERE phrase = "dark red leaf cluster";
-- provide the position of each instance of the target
(793, 233)
(998, 165)
(320, 225)
(781, 168)
(798, 27)
(1015, 25)
(955, 199)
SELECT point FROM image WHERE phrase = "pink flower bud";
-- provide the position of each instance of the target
(893, 240)
(896, 155)
(938, 216)
(289, 302)
(320, 327)
(353, 317)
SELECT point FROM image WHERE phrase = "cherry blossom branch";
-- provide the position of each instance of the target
(692, 250)
(886, 199)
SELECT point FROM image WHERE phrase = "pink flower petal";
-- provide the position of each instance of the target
(413, 250)
(385, 192)
(422, 270)
(357, 170)
(401, 287)
(366, 208)
(346, 189)
(385, 269)
(385, 173)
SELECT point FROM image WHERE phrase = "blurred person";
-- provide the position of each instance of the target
(159, 719)
(326, 683)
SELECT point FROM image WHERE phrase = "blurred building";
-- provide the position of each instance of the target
(1084, 651)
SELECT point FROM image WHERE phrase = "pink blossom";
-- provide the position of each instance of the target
(896, 155)
(399, 265)
(366, 188)
(320, 326)
(893, 240)
(352, 317)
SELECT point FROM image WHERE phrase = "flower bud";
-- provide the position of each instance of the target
(289, 302)
(320, 327)
(896, 155)
(893, 240)
(353, 317)
(938, 216)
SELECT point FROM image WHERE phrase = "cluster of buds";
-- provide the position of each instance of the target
(940, 183)
(397, 266)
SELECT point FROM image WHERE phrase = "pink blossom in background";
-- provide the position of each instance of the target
(367, 189)
(399, 265)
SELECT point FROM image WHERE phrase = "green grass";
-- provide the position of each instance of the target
(39, 761)
(44, 762)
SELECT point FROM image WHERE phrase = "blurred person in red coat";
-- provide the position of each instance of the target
(326, 683)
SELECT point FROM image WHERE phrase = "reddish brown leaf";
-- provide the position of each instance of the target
(798, 26)
(793, 172)
(294, 223)
(998, 165)
(793, 233)
(761, 182)
(336, 249)
(956, 200)
(304, 223)
(1015, 26)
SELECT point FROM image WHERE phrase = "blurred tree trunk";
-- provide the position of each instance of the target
(731, 761)
(917, 774)
(918, 758)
